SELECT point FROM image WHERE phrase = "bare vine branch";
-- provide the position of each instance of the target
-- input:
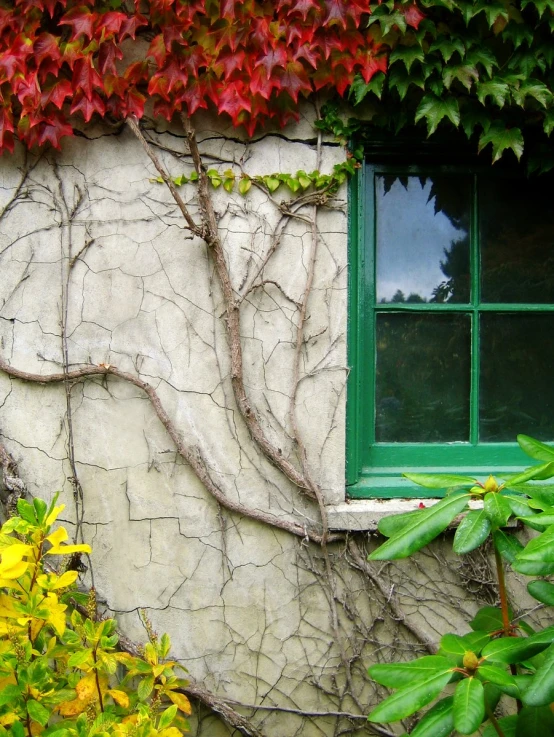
(190, 454)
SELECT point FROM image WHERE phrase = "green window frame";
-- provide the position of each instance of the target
(374, 469)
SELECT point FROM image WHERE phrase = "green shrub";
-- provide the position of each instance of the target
(501, 657)
(61, 674)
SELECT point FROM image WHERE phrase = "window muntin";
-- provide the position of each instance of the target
(452, 340)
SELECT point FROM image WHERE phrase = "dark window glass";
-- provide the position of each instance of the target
(516, 383)
(422, 378)
(516, 221)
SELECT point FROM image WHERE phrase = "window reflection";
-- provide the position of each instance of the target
(422, 238)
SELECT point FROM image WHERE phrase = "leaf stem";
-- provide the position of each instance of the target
(494, 721)
(507, 627)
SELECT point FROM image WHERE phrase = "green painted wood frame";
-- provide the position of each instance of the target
(374, 470)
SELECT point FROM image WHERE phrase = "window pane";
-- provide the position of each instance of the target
(517, 240)
(517, 388)
(423, 238)
(423, 378)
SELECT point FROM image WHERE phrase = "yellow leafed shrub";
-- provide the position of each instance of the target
(61, 674)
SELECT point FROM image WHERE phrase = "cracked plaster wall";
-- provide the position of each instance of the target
(87, 240)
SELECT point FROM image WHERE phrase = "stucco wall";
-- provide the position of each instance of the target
(89, 242)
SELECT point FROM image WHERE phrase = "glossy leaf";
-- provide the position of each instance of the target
(508, 726)
(437, 722)
(394, 524)
(417, 533)
(535, 722)
(536, 449)
(542, 591)
(469, 705)
(540, 691)
(399, 675)
(439, 480)
(408, 700)
(487, 619)
(472, 531)
(507, 545)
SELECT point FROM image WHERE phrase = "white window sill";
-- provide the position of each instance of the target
(364, 514)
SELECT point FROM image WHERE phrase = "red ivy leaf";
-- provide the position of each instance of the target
(232, 100)
(81, 20)
(277, 57)
(413, 15)
(107, 55)
(57, 94)
(87, 107)
(111, 22)
(295, 80)
(85, 77)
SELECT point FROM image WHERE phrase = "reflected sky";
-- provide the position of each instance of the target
(413, 235)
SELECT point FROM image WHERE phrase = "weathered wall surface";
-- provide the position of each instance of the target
(97, 268)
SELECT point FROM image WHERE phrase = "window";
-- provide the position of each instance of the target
(451, 322)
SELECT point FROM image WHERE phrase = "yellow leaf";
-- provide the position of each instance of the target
(6, 607)
(9, 718)
(120, 697)
(69, 549)
(65, 580)
(170, 732)
(13, 554)
(56, 613)
(52, 517)
(15, 571)
(58, 537)
(86, 688)
(181, 700)
(72, 708)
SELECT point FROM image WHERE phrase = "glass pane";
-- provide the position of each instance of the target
(422, 378)
(517, 240)
(517, 389)
(423, 238)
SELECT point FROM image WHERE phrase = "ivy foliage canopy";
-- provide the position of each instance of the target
(483, 66)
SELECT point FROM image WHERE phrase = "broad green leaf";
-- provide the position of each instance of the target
(497, 509)
(399, 675)
(145, 687)
(389, 526)
(469, 705)
(519, 504)
(26, 511)
(515, 649)
(41, 509)
(488, 619)
(544, 471)
(400, 79)
(439, 480)
(507, 545)
(8, 693)
(38, 712)
(466, 74)
(453, 645)
(536, 449)
(496, 89)
(80, 657)
(437, 722)
(271, 183)
(502, 138)
(472, 531)
(244, 185)
(533, 567)
(447, 46)
(507, 725)
(496, 675)
(538, 521)
(542, 591)
(535, 721)
(167, 716)
(541, 689)
(422, 529)
(408, 700)
(540, 549)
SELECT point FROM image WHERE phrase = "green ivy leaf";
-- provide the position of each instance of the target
(244, 185)
(271, 182)
(214, 177)
(496, 89)
(535, 89)
(447, 46)
(434, 109)
(466, 74)
(407, 55)
(501, 139)
(469, 705)
(399, 79)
